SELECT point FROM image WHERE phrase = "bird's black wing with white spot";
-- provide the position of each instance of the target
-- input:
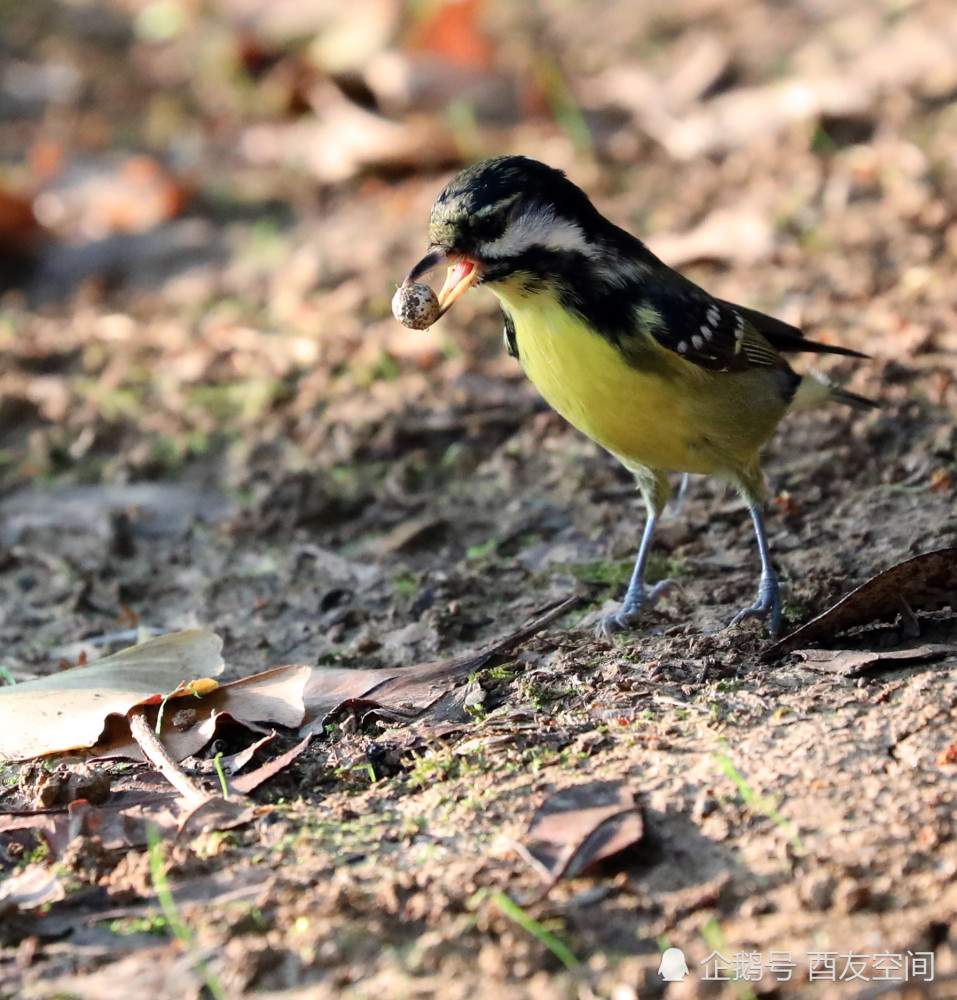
(701, 329)
(784, 337)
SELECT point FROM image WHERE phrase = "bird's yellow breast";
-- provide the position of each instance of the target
(668, 415)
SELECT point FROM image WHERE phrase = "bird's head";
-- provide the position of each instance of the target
(514, 221)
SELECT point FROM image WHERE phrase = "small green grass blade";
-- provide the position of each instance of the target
(528, 923)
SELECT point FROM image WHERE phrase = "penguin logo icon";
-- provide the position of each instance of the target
(673, 966)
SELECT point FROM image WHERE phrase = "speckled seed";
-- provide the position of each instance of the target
(415, 306)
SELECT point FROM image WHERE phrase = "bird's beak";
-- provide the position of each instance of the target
(463, 273)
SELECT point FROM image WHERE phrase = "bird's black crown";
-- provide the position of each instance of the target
(478, 204)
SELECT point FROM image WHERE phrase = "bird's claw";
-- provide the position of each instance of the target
(625, 618)
(613, 624)
(766, 608)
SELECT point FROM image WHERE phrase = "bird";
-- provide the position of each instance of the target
(661, 374)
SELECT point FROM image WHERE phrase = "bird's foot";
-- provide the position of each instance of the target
(767, 607)
(625, 618)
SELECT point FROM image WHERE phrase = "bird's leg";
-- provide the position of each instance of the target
(768, 604)
(677, 507)
(637, 597)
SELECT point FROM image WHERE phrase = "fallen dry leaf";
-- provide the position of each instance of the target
(184, 733)
(926, 582)
(118, 824)
(235, 762)
(577, 827)
(245, 783)
(855, 663)
(273, 697)
(410, 692)
(68, 710)
(122, 822)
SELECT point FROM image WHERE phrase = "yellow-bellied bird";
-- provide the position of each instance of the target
(647, 364)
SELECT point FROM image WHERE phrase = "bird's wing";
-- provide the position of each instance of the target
(719, 335)
(784, 337)
(704, 330)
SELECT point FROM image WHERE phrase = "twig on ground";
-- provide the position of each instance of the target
(156, 754)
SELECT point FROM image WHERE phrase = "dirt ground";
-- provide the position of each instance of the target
(211, 419)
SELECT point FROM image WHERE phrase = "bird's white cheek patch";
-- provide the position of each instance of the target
(538, 229)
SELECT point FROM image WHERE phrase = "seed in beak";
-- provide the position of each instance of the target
(415, 306)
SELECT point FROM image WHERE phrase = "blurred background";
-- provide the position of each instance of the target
(206, 207)
(209, 417)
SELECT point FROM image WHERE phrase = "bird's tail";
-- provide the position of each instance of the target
(815, 389)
